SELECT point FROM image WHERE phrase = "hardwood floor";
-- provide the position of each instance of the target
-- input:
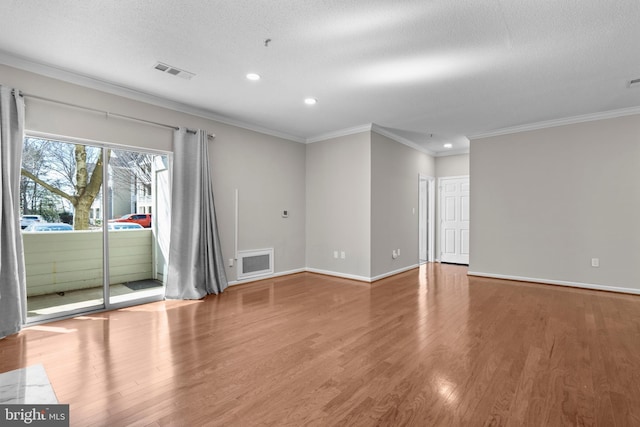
(429, 347)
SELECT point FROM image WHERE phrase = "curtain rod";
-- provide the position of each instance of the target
(106, 113)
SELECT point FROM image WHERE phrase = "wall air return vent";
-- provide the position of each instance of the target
(173, 71)
(634, 83)
(255, 263)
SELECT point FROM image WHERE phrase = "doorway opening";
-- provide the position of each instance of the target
(426, 219)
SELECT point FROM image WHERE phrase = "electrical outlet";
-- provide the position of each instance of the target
(394, 254)
(595, 262)
(343, 255)
(335, 254)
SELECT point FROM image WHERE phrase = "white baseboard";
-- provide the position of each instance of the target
(557, 282)
(327, 273)
(336, 274)
(267, 276)
(394, 272)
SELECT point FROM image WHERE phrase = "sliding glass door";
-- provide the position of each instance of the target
(89, 231)
(136, 267)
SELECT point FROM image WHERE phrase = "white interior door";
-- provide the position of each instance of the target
(454, 220)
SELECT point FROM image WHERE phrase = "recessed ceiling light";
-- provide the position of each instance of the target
(253, 76)
(448, 145)
(310, 101)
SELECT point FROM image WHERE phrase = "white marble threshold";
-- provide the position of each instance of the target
(28, 385)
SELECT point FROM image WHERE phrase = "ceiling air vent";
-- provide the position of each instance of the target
(634, 83)
(173, 71)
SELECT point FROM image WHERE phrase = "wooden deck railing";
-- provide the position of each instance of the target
(64, 261)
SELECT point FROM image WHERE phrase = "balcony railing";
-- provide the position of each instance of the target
(71, 260)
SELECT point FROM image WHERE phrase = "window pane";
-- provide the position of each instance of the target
(62, 187)
(64, 217)
(133, 255)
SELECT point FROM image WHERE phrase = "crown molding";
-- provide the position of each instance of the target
(339, 133)
(560, 122)
(452, 152)
(72, 77)
(384, 132)
(79, 79)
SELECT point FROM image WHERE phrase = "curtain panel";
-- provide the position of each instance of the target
(196, 266)
(13, 288)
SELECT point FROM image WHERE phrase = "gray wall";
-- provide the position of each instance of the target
(269, 172)
(395, 170)
(545, 202)
(457, 165)
(339, 205)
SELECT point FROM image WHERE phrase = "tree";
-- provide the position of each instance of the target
(34, 153)
(55, 171)
(70, 161)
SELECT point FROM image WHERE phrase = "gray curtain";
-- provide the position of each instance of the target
(196, 266)
(13, 288)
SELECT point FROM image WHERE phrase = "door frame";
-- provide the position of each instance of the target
(106, 303)
(428, 215)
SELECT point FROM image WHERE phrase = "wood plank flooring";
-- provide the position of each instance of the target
(429, 347)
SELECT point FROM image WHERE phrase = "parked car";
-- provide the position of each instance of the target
(26, 220)
(142, 219)
(48, 226)
(124, 226)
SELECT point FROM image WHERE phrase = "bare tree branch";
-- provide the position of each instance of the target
(54, 190)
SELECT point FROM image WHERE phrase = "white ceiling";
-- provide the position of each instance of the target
(428, 72)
